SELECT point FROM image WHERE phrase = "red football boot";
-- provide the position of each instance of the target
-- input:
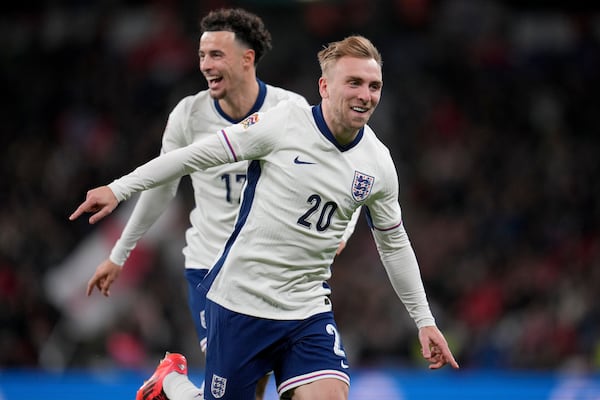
(152, 388)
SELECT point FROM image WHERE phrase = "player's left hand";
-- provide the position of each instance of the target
(435, 348)
(101, 201)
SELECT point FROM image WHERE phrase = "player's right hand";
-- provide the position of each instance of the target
(101, 201)
(106, 273)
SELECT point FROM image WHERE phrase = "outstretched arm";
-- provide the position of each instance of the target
(200, 155)
(240, 142)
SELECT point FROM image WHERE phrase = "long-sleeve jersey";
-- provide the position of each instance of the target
(302, 190)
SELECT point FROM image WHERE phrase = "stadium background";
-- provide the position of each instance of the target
(489, 107)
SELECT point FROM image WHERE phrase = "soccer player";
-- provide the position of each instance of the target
(231, 44)
(311, 168)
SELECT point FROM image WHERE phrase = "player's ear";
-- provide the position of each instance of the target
(249, 57)
(323, 89)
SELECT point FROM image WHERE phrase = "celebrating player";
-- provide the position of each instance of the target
(310, 169)
(232, 43)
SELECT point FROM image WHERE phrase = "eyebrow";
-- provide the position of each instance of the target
(358, 78)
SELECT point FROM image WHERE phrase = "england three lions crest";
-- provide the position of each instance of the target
(217, 386)
(361, 186)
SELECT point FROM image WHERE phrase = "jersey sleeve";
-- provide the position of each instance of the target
(149, 207)
(400, 263)
(251, 139)
(174, 164)
(152, 203)
(396, 252)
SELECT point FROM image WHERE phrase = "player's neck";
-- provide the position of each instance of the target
(343, 134)
(238, 103)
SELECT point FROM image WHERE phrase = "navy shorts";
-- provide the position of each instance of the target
(197, 302)
(242, 349)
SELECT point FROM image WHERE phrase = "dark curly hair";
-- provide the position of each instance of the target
(248, 28)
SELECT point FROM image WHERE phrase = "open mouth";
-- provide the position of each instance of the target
(212, 82)
(361, 110)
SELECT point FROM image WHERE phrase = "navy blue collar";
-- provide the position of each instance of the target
(322, 125)
(260, 99)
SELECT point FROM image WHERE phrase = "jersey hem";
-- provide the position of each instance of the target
(274, 314)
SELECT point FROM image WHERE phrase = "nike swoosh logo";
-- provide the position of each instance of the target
(298, 161)
(344, 365)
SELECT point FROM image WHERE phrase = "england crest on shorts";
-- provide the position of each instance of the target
(361, 186)
(217, 386)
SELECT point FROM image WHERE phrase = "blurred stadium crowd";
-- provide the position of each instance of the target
(491, 111)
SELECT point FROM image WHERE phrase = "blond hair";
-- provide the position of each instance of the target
(352, 46)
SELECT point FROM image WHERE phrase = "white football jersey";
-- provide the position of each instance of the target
(302, 190)
(217, 190)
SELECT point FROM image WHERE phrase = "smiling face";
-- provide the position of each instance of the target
(225, 63)
(350, 89)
